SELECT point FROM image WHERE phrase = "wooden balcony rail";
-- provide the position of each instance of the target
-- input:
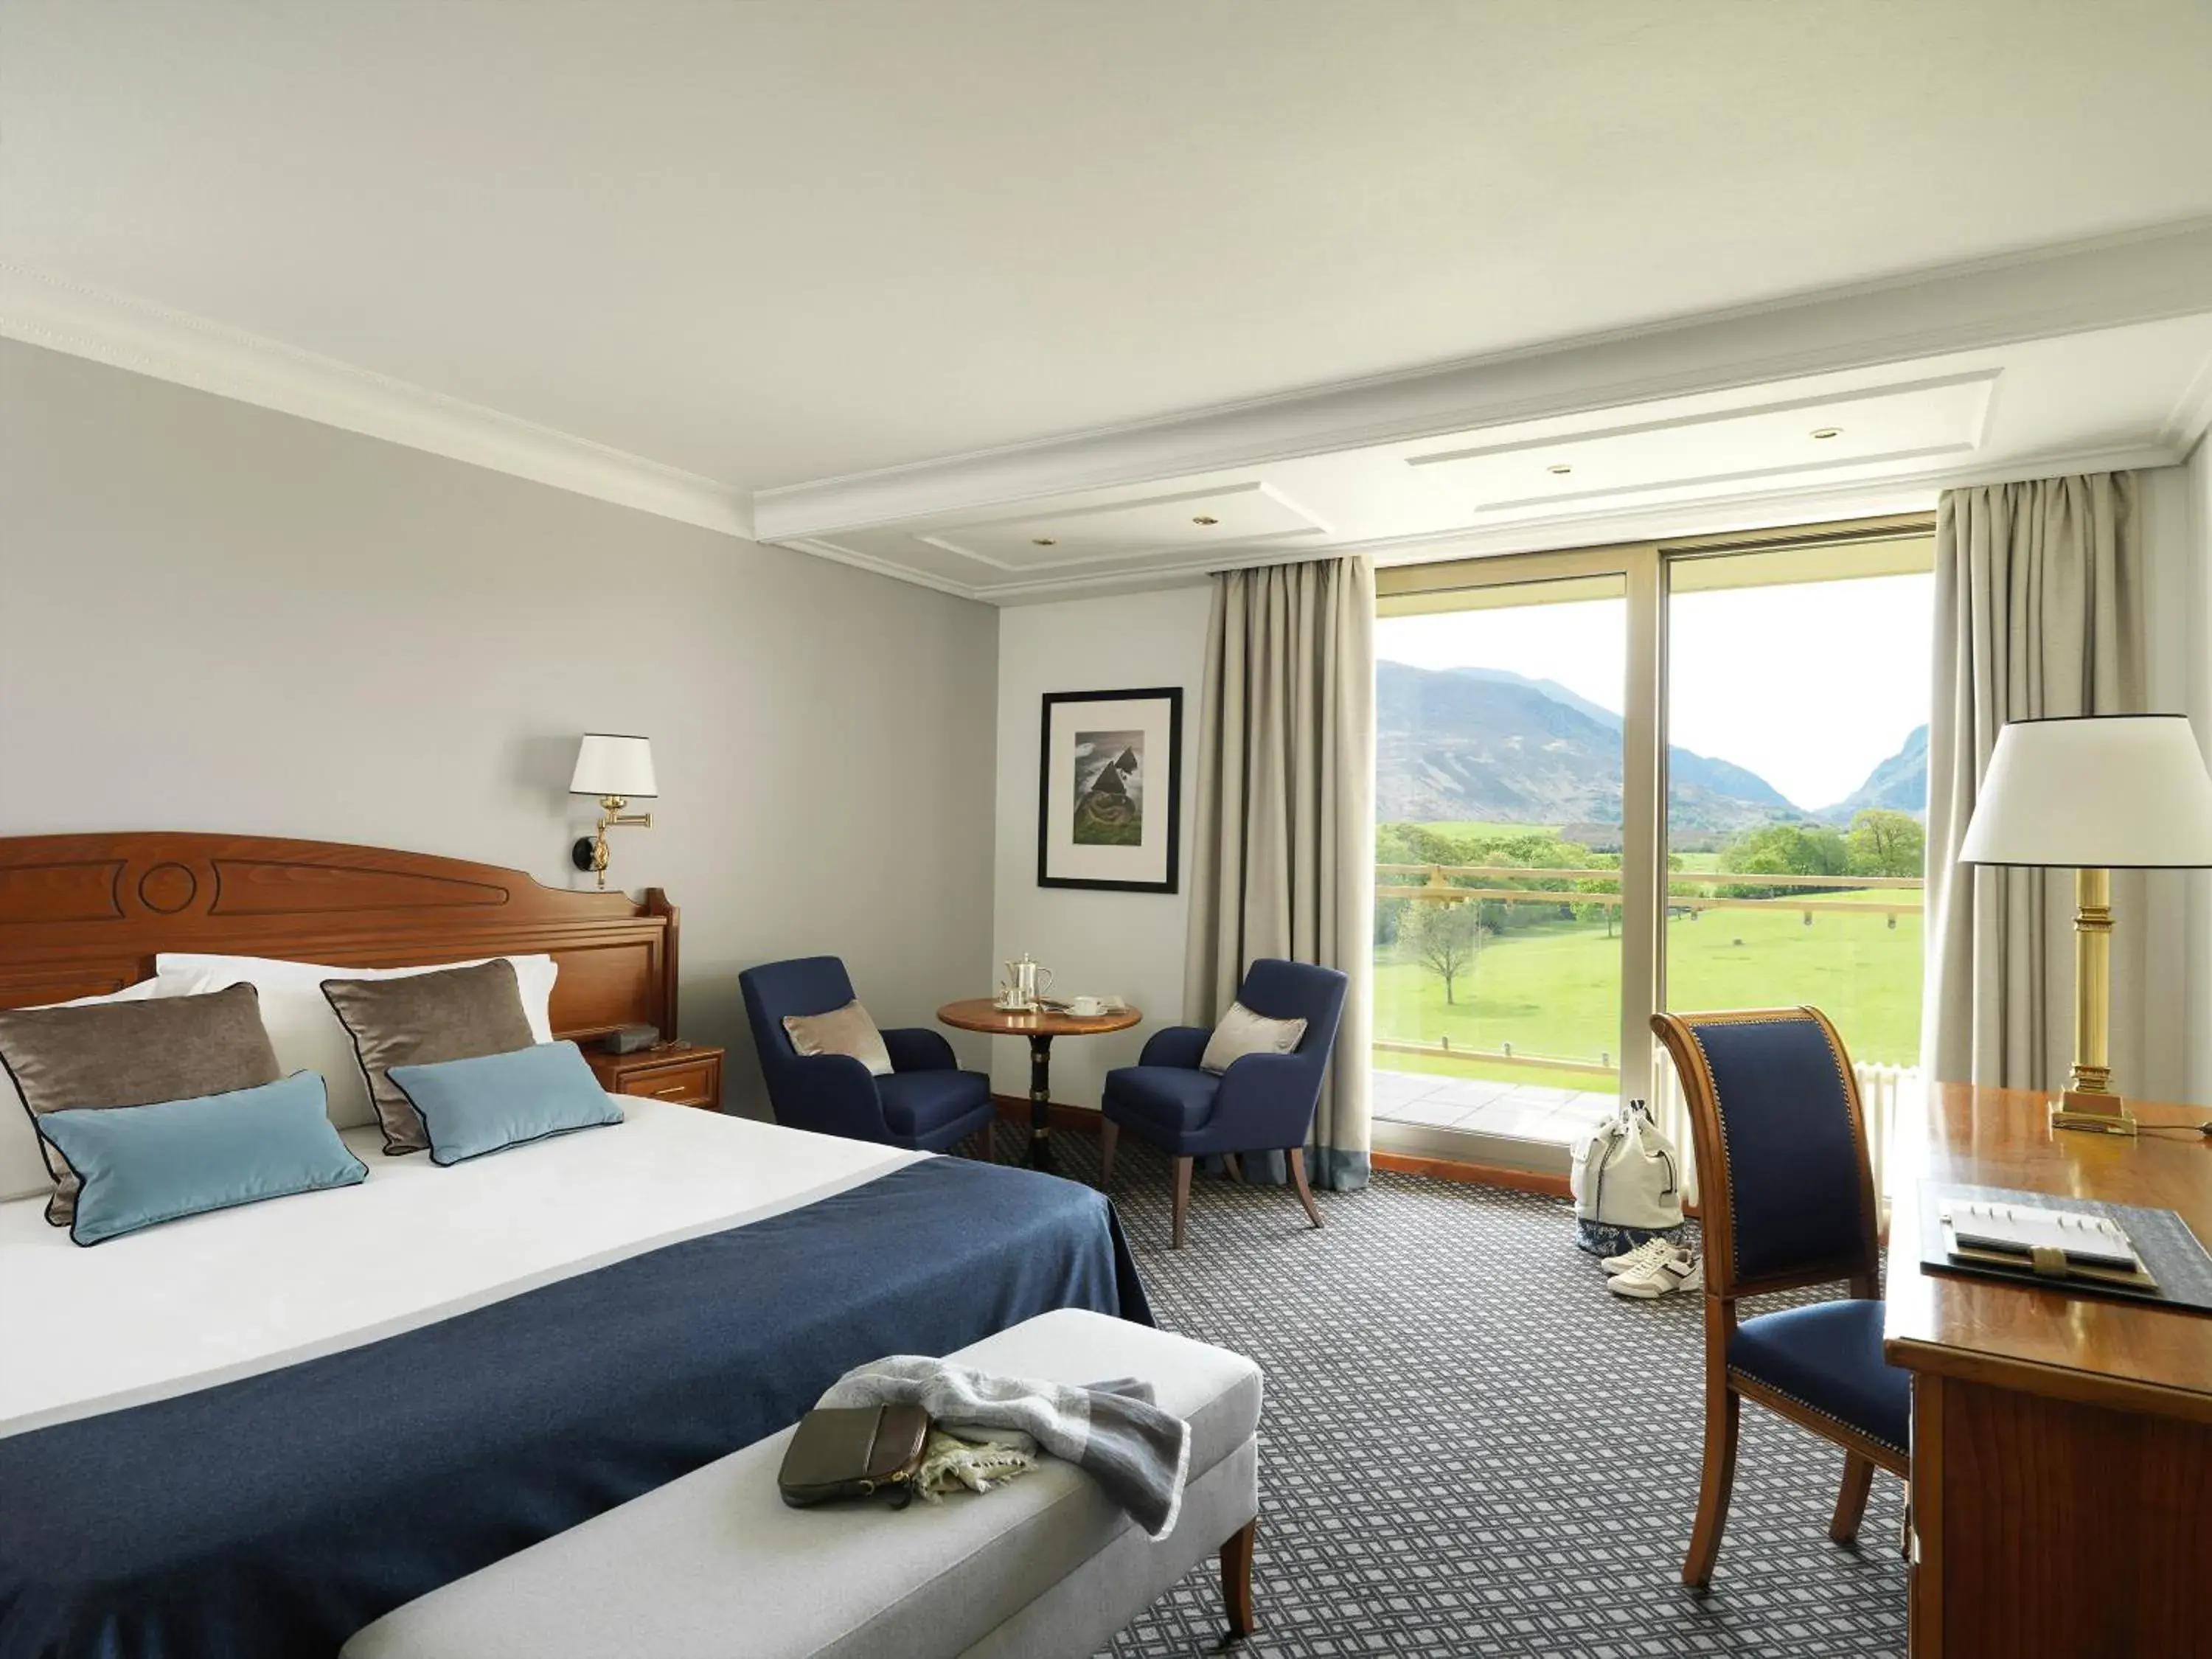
(1436, 888)
(1438, 872)
(1495, 1057)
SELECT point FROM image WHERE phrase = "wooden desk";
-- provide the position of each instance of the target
(2062, 1445)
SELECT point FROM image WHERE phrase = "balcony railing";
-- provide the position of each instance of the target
(1438, 886)
(1574, 887)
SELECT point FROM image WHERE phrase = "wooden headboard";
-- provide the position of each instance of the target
(80, 916)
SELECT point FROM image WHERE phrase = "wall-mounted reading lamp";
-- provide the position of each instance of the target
(618, 770)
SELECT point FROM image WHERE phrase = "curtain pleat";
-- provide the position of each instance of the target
(1283, 854)
(2039, 612)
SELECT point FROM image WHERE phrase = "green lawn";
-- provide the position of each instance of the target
(1555, 990)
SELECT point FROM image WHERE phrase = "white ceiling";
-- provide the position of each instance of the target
(676, 253)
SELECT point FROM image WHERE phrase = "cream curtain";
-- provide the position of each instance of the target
(1283, 849)
(2038, 612)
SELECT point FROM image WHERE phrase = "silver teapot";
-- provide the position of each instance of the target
(1026, 981)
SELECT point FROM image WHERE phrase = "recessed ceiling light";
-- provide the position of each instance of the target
(1203, 519)
(1827, 432)
(1043, 541)
(1560, 469)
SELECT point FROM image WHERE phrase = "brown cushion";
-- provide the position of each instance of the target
(131, 1054)
(459, 1013)
(846, 1030)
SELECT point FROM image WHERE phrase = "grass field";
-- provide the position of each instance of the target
(1554, 990)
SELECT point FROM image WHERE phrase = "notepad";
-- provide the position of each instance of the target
(2091, 1240)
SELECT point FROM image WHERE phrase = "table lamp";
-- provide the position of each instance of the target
(617, 770)
(2093, 793)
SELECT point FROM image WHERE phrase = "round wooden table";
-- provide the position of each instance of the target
(1040, 1026)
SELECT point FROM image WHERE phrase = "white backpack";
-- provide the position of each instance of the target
(1628, 1181)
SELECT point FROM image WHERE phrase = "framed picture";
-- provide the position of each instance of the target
(1109, 790)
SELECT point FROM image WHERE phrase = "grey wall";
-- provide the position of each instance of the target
(216, 617)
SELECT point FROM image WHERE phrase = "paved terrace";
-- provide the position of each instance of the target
(1519, 1111)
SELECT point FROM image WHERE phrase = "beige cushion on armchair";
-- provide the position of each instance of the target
(846, 1030)
(1242, 1032)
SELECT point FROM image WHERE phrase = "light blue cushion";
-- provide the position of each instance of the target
(471, 1107)
(142, 1165)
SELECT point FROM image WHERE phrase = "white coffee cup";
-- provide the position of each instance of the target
(1085, 1007)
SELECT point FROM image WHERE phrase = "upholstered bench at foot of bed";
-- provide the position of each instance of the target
(714, 1567)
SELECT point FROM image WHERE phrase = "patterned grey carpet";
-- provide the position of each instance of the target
(1469, 1447)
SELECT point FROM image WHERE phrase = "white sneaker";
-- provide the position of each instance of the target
(1643, 1256)
(1663, 1278)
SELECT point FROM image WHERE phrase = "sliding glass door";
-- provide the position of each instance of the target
(1513, 935)
(1538, 896)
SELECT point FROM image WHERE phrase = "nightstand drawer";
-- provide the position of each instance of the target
(687, 1082)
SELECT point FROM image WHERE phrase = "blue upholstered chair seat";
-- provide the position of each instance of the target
(926, 1103)
(1829, 1356)
(1167, 1099)
(1263, 1102)
(919, 1104)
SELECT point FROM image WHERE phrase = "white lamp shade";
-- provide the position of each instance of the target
(607, 764)
(2111, 792)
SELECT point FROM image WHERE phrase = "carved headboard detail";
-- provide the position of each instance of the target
(84, 914)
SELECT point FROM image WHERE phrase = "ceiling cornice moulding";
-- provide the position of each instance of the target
(1802, 502)
(46, 311)
(2140, 277)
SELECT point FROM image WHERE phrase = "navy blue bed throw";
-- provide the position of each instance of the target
(271, 1518)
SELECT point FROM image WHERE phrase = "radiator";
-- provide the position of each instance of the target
(1886, 1093)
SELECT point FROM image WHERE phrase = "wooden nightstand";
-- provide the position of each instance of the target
(687, 1073)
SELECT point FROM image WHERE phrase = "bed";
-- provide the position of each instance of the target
(251, 1433)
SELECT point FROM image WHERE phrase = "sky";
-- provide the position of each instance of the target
(1811, 685)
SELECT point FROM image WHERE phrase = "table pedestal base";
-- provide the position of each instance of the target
(1041, 1156)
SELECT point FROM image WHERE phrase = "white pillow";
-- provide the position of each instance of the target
(305, 1032)
(1241, 1032)
(22, 1168)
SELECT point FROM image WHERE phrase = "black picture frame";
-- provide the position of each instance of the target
(1054, 701)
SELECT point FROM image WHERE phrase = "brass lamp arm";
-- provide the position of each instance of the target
(590, 852)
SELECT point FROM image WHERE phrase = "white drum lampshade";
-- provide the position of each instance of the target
(611, 765)
(2106, 791)
(2094, 793)
(614, 770)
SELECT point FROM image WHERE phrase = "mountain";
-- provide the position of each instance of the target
(1484, 744)
(1900, 781)
(1552, 689)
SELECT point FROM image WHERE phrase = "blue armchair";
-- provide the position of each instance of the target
(1262, 1103)
(927, 1103)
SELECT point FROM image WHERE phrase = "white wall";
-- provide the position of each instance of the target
(213, 617)
(1126, 944)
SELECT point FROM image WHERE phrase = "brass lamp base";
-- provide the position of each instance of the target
(2088, 1101)
(2103, 1113)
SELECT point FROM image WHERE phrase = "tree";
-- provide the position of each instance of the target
(1447, 939)
(1886, 842)
(1784, 849)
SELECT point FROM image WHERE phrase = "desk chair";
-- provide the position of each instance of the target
(1788, 1202)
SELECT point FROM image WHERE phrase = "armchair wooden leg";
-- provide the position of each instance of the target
(1716, 1482)
(1299, 1179)
(1852, 1501)
(1182, 1202)
(1230, 1162)
(1109, 1136)
(1236, 1577)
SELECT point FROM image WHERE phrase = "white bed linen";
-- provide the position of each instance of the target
(213, 1298)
